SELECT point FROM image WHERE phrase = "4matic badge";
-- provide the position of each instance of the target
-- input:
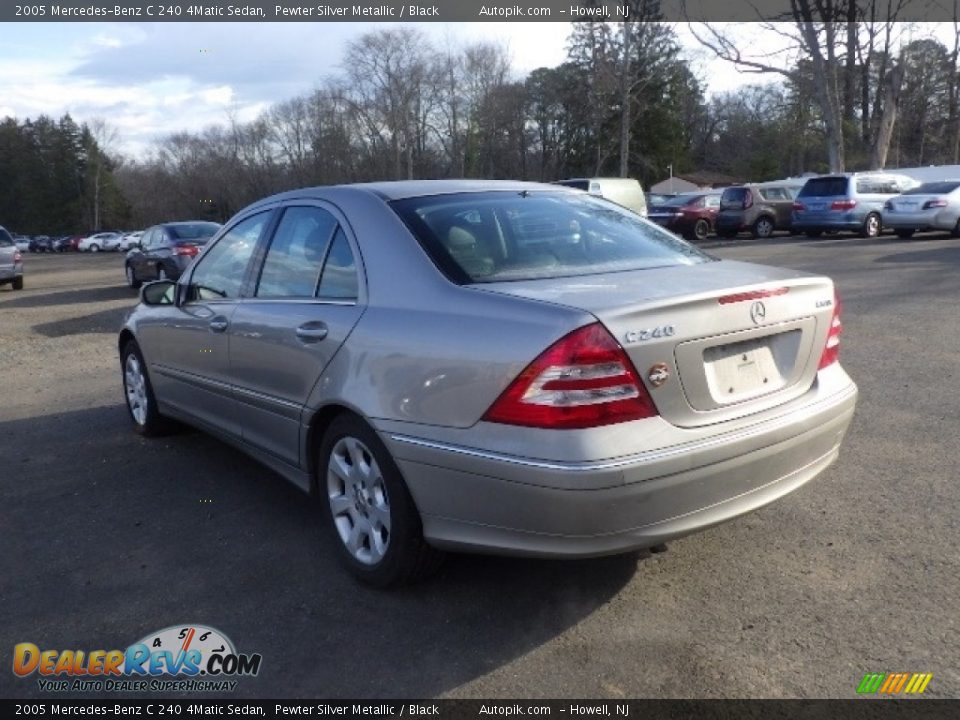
(185, 652)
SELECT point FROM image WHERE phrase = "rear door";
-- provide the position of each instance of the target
(301, 306)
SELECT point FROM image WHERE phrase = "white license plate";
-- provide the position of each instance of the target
(817, 206)
(745, 368)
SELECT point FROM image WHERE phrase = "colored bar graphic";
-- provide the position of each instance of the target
(894, 683)
(871, 682)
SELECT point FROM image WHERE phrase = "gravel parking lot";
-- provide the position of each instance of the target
(108, 536)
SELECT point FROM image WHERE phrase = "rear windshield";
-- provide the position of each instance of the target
(825, 187)
(680, 200)
(935, 188)
(734, 197)
(578, 184)
(499, 236)
(196, 232)
(5, 238)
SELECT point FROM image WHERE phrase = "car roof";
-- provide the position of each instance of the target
(402, 189)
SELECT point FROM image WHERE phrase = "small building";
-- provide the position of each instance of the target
(692, 181)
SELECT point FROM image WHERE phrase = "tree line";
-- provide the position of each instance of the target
(55, 178)
(858, 93)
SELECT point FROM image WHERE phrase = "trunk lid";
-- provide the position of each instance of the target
(734, 338)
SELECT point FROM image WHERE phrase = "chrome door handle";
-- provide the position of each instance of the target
(312, 332)
(218, 325)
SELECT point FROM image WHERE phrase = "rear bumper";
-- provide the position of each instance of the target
(921, 221)
(11, 272)
(470, 500)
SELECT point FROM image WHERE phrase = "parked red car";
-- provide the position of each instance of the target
(692, 215)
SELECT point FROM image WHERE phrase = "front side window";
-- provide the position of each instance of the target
(293, 262)
(497, 236)
(219, 274)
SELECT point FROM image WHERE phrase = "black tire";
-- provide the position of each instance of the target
(701, 229)
(905, 234)
(94, 248)
(153, 424)
(956, 230)
(872, 226)
(763, 227)
(17, 283)
(813, 233)
(407, 557)
(132, 281)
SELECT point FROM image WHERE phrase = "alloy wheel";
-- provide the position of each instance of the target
(136, 388)
(358, 500)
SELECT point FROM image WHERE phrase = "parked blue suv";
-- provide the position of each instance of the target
(852, 201)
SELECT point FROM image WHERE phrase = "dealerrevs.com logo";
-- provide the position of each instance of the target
(178, 658)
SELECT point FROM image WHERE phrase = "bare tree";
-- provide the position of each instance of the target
(104, 139)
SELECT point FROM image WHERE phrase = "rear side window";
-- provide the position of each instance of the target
(293, 262)
(825, 187)
(877, 186)
(339, 280)
(502, 236)
(774, 193)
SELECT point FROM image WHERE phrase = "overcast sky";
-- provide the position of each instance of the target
(149, 80)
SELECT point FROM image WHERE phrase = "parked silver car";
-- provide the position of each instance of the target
(931, 206)
(11, 261)
(492, 366)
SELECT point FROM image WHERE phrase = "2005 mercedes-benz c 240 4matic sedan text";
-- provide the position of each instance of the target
(492, 366)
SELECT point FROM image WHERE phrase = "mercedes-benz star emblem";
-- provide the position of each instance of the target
(757, 312)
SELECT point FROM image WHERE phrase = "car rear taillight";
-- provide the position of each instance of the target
(831, 351)
(17, 257)
(583, 380)
(799, 206)
(188, 250)
(843, 204)
(934, 203)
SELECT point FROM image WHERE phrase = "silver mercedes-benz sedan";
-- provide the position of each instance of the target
(489, 366)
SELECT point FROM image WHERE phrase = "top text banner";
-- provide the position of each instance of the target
(440, 11)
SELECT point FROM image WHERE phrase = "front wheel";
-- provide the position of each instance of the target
(141, 402)
(368, 509)
(701, 229)
(763, 228)
(871, 226)
(94, 248)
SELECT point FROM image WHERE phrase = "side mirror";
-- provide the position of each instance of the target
(161, 292)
